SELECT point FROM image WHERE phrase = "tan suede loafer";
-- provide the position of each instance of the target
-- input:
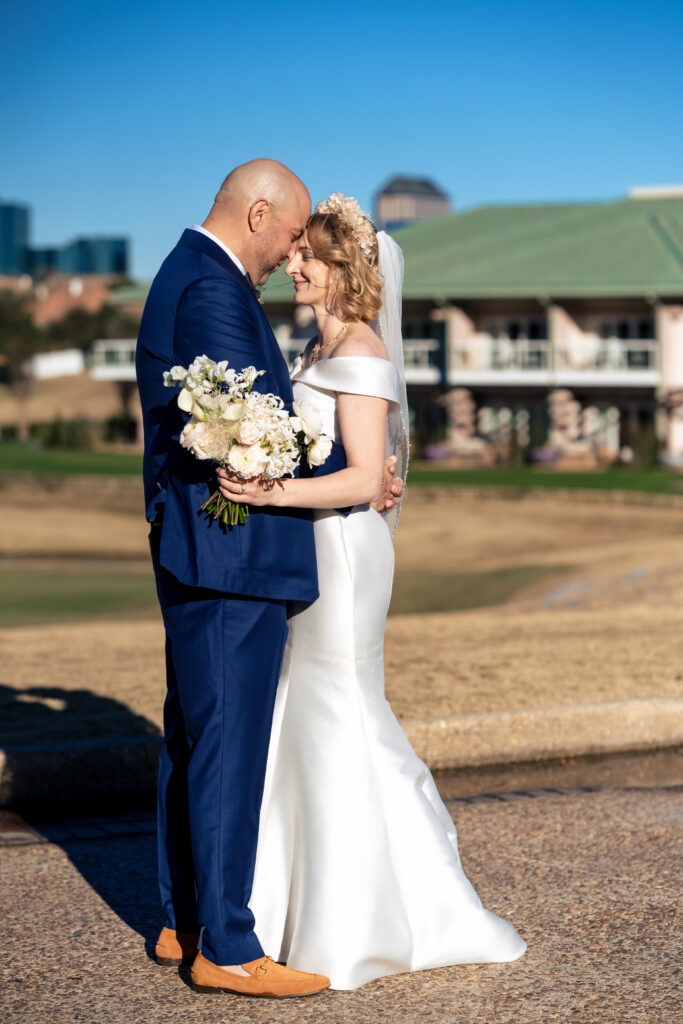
(174, 948)
(267, 979)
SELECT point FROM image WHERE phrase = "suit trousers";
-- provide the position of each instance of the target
(223, 658)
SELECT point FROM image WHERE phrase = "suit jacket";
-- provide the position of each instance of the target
(200, 303)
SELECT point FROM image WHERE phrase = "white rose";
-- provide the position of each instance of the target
(247, 462)
(195, 437)
(319, 451)
(310, 418)
(250, 432)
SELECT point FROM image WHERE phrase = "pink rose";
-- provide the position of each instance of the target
(247, 462)
(196, 437)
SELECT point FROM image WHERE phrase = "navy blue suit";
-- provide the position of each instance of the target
(223, 595)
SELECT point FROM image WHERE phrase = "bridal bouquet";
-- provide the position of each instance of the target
(246, 432)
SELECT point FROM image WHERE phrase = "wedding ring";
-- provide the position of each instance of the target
(243, 489)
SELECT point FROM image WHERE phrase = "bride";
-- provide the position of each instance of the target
(357, 869)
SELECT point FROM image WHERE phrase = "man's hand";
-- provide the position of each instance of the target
(392, 487)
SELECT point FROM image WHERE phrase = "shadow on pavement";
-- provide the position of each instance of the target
(69, 761)
(74, 752)
(124, 874)
(40, 715)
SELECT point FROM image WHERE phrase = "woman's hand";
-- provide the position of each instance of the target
(392, 487)
(249, 492)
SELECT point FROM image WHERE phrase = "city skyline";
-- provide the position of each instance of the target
(136, 112)
(83, 254)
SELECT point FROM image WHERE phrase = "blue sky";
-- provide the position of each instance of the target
(124, 117)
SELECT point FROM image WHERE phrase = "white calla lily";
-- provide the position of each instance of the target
(185, 400)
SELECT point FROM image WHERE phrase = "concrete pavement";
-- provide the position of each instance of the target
(591, 879)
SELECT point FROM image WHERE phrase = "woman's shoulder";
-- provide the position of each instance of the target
(361, 340)
(360, 371)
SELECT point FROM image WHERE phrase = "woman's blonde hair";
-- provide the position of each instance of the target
(355, 285)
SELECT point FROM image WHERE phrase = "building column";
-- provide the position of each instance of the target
(669, 320)
(139, 428)
(459, 330)
(565, 418)
(462, 416)
(564, 335)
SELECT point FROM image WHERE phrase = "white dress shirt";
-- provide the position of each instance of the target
(228, 252)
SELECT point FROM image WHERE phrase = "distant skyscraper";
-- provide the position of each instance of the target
(13, 238)
(86, 255)
(41, 261)
(96, 255)
(405, 200)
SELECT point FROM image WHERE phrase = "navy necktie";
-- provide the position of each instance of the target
(253, 287)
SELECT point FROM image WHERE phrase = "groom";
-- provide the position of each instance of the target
(223, 594)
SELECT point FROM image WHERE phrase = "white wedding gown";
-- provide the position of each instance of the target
(357, 870)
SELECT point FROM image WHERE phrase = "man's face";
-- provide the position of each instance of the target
(278, 242)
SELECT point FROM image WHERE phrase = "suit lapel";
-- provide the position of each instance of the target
(278, 364)
(196, 240)
(192, 239)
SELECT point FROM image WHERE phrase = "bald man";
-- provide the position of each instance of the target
(223, 592)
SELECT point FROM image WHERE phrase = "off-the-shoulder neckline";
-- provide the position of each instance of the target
(332, 359)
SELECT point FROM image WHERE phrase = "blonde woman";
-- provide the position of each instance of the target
(357, 870)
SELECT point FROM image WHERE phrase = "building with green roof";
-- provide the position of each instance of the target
(556, 324)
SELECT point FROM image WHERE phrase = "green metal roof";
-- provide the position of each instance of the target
(631, 247)
(129, 293)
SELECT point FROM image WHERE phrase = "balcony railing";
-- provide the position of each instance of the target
(486, 353)
(422, 357)
(423, 361)
(113, 359)
(607, 354)
(520, 355)
(582, 354)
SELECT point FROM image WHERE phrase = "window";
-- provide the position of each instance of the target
(641, 328)
(537, 330)
(638, 359)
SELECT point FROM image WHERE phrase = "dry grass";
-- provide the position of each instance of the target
(70, 398)
(436, 664)
(442, 531)
(487, 661)
(30, 531)
(609, 630)
(58, 517)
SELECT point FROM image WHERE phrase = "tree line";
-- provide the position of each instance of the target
(21, 338)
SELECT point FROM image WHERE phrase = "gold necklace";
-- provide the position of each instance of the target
(320, 345)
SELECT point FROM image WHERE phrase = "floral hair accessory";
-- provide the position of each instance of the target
(350, 213)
